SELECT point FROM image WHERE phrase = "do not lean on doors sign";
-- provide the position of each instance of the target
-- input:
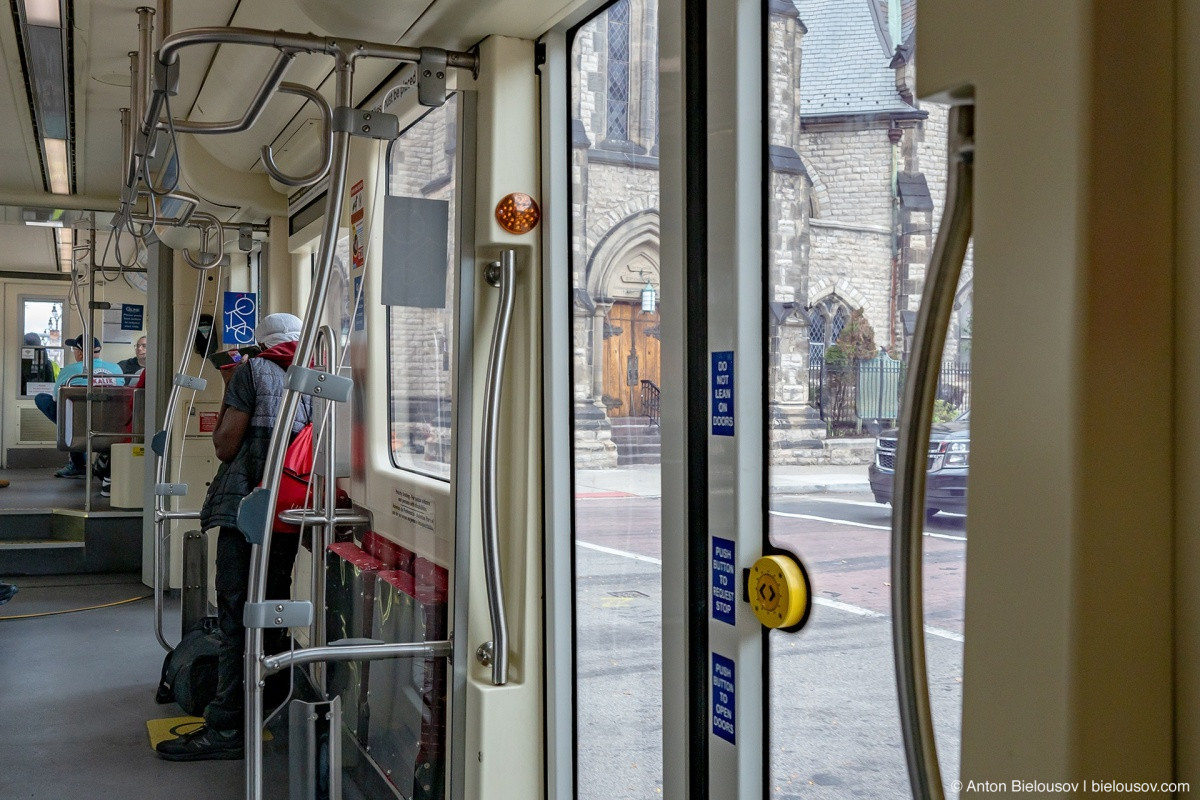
(722, 393)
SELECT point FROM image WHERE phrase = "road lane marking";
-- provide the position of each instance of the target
(815, 518)
(863, 503)
(821, 601)
(599, 548)
(866, 612)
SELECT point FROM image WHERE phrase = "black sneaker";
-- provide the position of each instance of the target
(204, 744)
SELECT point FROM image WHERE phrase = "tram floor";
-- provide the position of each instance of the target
(39, 490)
(79, 666)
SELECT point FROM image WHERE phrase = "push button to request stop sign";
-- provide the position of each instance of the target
(778, 590)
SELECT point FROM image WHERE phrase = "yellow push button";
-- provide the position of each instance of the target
(778, 591)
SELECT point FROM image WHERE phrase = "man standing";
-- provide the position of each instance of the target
(48, 403)
(254, 391)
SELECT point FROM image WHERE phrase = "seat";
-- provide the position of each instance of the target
(113, 416)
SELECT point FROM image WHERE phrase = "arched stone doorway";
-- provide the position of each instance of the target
(628, 351)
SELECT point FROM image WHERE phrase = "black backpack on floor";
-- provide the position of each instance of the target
(189, 672)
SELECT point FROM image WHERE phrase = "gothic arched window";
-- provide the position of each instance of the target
(826, 320)
(617, 88)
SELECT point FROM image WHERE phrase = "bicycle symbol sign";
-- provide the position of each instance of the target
(241, 311)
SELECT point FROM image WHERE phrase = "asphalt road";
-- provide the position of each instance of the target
(834, 728)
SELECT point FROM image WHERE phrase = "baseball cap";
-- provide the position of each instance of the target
(77, 343)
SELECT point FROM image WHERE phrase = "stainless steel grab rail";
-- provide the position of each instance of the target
(161, 514)
(357, 652)
(500, 274)
(322, 169)
(208, 260)
(273, 470)
(908, 511)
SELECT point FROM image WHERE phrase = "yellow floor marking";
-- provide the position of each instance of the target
(173, 727)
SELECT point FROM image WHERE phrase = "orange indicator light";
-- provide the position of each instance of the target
(518, 213)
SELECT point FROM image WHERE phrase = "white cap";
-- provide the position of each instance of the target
(278, 328)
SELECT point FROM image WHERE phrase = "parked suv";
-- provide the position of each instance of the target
(946, 481)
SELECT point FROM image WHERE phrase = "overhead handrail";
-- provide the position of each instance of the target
(501, 274)
(208, 260)
(322, 169)
(146, 116)
(908, 512)
(268, 88)
(191, 203)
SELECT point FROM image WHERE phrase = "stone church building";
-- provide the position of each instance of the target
(855, 186)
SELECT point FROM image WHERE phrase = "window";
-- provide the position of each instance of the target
(41, 343)
(826, 321)
(422, 164)
(617, 95)
(616, 381)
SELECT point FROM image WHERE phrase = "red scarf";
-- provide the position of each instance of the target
(282, 354)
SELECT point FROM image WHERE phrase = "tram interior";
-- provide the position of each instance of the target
(548, 256)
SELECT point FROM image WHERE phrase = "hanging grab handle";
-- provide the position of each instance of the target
(908, 511)
(208, 223)
(322, 170)
(501, 274)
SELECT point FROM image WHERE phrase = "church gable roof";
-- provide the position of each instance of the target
(845, 68)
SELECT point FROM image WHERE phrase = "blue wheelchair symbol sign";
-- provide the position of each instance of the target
(241, 311)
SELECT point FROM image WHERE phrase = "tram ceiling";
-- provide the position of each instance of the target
(92, 82)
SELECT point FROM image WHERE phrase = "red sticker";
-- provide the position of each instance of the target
(208, 421)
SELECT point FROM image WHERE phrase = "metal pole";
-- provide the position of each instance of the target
(165, 16)
(161, 515)
(145, 74)
(89, 367)
(357, 652)
(908, 512)
(283, 426)
(490, 474)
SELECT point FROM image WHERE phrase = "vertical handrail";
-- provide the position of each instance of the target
(161, 518)
(501, 275)
(908, 512)
(273, 469)
(323, 532)
(89, 353)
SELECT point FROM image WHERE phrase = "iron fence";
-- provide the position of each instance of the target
(859, 390)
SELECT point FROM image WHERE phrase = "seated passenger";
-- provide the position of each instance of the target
(47, 403)
(253, 394)
(136, 363)
(41, 368)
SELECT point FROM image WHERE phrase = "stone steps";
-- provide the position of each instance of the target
(637, 441)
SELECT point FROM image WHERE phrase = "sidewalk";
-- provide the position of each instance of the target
(643, 480)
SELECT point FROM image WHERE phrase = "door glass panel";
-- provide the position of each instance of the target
(41, 344)
(615, 375)
(421, 168)
(856, 179)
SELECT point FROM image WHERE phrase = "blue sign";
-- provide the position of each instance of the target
(239, 318)
(723, 582)
(131, 316)
(723, 705)
(360, 316)
(722, 393)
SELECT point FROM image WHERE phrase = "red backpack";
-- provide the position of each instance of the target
(296, 478)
